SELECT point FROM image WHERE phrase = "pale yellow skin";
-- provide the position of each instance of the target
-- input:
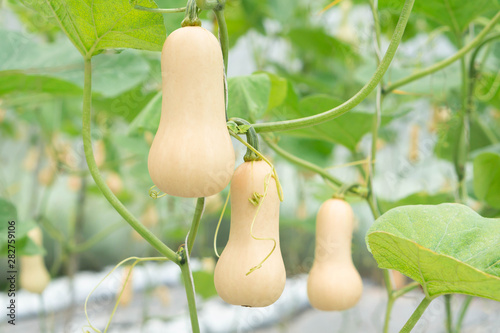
(334, 283)
(34, 276)
(192, 155)
(263, 286)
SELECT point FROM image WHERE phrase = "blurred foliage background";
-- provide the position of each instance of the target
(288, 59)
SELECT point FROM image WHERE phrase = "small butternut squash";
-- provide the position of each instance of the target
(263, 286)
(192, 154)
(334, 283)
(34, 276)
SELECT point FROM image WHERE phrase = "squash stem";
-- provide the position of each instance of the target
(252, 140)
(101, 184)
(198, 212)
(187, 277)
(191, 18)
(416, 315)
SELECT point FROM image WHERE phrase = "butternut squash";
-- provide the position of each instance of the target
(334, 283)
(34, 276)
(192, 154)
(263, 286)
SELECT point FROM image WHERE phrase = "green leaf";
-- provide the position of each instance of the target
(11, 83)
(96, 25)
(23, 245)
(204, 282)
(30, 66)
(448, 134)
(279, 90)
(249, 96)
(8, 212)
(314, 151)
(149, 118)
(319, 42)
(456, 14)
(419, 198)
(487, 178)
(447, 248)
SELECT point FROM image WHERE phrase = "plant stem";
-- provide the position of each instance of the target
(191, 18)
(416, 315)
(409, 287)
(449, 318)
(359, 96)
(190, 294)
(388, 310)
(252, 140)
(198, 212)
(461, 315)
(89, 243)
(359, 191)
(101, 184)
(160, 10)
(223, 36)
(446, 62)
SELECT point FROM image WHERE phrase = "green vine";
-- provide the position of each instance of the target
(101, 184)
(287, 125)
(444, 63)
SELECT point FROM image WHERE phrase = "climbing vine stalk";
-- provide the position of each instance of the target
(359, 96)
(101, 184)
(446, 62)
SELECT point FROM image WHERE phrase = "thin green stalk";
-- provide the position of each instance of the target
(449, 314)
(416, 315)
(462, 144)
(406, 289)
(198, 212)
(461, 315)
(223, 36)
(190, 294)
(376, 23)
(359, 191)
(446, 62)
(89, 243)
(160, 10)
(101, 184)
(359, 96)
(388, 310)
(376, 116)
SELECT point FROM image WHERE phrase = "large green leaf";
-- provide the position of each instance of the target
(487, 178)
(31, 66)
(447, 248)
(249, 96)
(11, 82)
(95, 25)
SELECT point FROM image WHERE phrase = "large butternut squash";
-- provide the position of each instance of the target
(34, 276)
(192, 154)
(262, 286)
(334, 283)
